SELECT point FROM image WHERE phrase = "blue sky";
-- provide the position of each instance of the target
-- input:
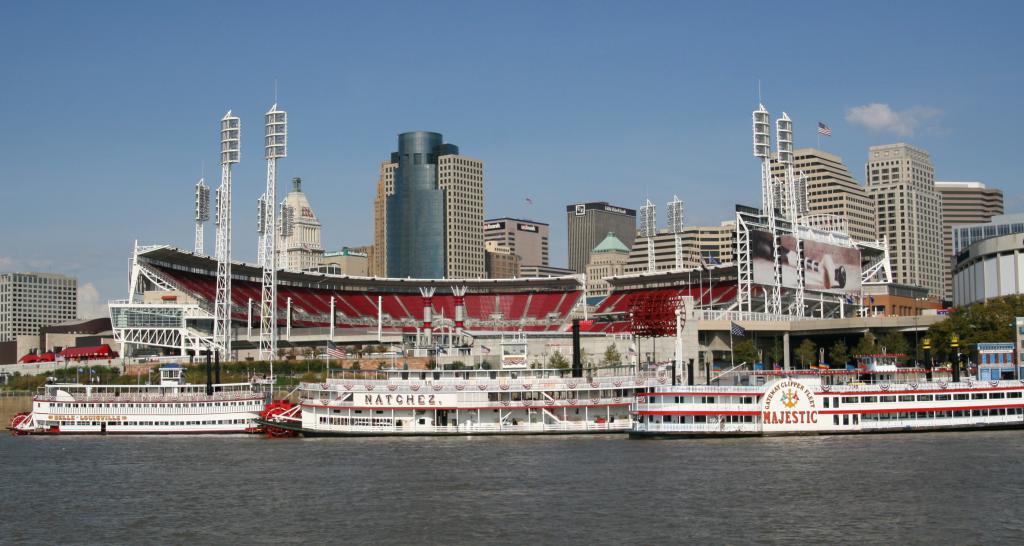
(111, 109)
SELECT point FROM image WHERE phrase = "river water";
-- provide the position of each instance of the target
(929, 488)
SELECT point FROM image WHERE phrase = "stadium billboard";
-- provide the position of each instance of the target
(831, 268)
(827, 267)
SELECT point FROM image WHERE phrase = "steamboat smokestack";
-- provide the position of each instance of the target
(577, 363)
(209, 375)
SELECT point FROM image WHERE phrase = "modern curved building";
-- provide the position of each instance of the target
(989, 268)
(434, 215)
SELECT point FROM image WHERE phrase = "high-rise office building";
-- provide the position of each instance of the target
(499, 261)
(590, 223)
(715, 245)
(29, 301)
(526, 238)
(434, 216)
(908, 213)
(833, 193)
(964, 203)
(378, 256)
(298, 244)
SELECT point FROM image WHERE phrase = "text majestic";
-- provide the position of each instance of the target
(789, 402)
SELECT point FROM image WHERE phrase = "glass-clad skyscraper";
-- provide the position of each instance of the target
(415, 212)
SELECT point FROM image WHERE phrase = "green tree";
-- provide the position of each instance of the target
(991, 321)
(745, 352)
(558, 361)
(839, 353)
(896, 343)
(866, 346)
(807, 352)
(612, 355)
(775, 352)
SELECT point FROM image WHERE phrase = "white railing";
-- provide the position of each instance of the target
(564, 426)
(714, 314)
(717, 428)
(710, 408)
(567, 403)
(941, 422)
(473, 385)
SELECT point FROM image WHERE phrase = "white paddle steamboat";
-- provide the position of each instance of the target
(172, 406)
(464, 402)
(877, 397)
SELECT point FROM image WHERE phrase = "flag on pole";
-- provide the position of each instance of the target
(824, 129)
(334, 352)
(713, 260)
(441, 351)
(485, 349)
(529, 201)
(631, 350)
(736, 329)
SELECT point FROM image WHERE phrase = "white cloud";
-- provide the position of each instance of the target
(6, 263)
(90, 304)
(881, 118)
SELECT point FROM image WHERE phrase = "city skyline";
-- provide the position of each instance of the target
(122, 140)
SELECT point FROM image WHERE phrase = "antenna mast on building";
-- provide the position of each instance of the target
(202, 214)
(675, 225)
(276, 146)
(648, 227)
(230, 130)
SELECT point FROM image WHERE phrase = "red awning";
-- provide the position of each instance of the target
(29, 359)
(88, 352)
(47, 357)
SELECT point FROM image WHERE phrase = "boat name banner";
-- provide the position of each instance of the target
(409, 400)
(789, 405)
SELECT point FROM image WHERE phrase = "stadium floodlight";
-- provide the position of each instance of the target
(762, 135)
(202, 214)
(648, 227)
(784, 139)
(230, 153)
(675, 226)
(275, 142)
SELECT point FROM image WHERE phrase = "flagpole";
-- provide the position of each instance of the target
(732, 354)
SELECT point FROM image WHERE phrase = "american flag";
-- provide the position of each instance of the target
(485, 349)
(824, 129)
(334, 352)
(737, 330)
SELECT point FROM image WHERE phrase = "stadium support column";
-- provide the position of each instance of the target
(230, 129)
(428, 311)
(785, 351)
(460, 310)
(332, 319)
(276, 147)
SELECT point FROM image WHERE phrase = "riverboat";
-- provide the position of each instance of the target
(877, 396)
(171, 406)
(464, 402)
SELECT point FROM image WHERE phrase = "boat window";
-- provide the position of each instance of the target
(835, 402)
(868, 399)
(943, 397)
(961, 396)
(907, 398)
(835, 420)
(826, 401)
(887, 399)
(850, 400)
(1014, 394)
(996, 395)
(979, 396)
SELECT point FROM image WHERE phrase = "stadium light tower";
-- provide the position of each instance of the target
(762, 150)
(784, 143)
(648, 227)
(675, 226)
(202, 214)
(261, 225)
(276, 147)
(230, 132)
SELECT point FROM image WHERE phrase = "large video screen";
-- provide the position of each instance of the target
(831, 268)
(827, 268)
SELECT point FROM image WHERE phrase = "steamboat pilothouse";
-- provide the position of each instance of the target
(877, 396)
(169, 407)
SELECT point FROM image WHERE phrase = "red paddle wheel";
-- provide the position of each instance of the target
(275, 409)
(18, 420)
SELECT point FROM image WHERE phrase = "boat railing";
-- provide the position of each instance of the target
(721, 427)
(722, 408)
(611, 426)
(910, 386)
(489, 385)
(129, 398)
(689, 390)
(944, 422)
(489, 404)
